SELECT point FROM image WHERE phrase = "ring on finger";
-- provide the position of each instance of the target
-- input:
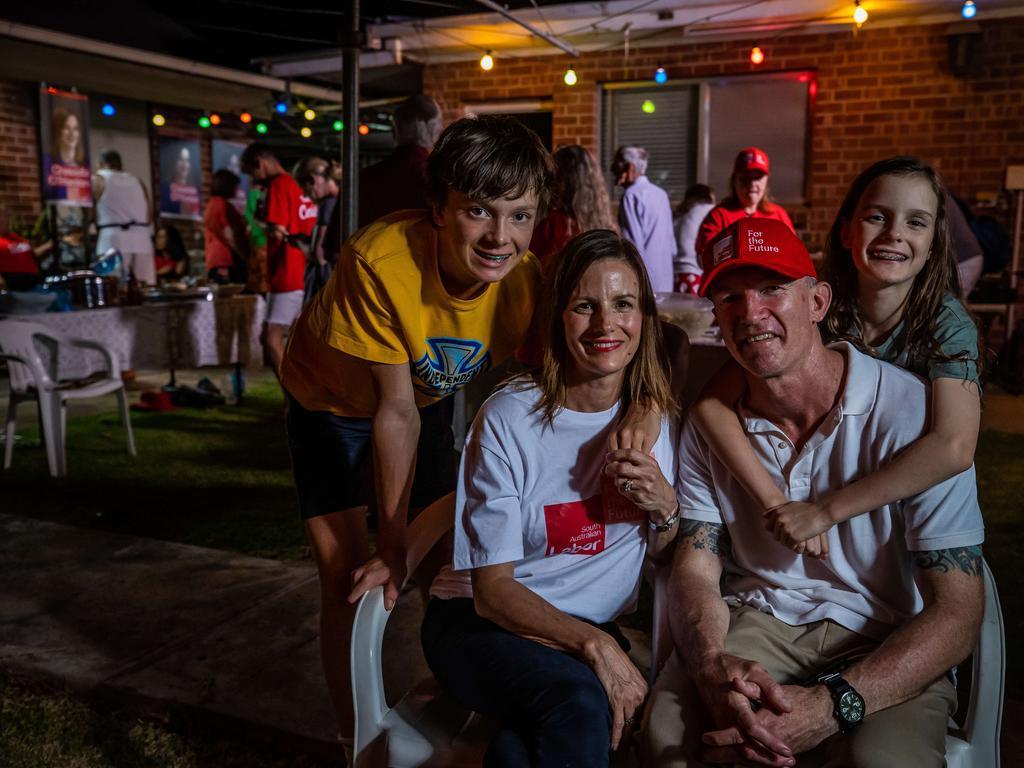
(628, 720)
(627, 486)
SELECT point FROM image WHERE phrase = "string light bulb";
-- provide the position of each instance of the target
(159, 120)
(570, 77)
(647, 107)
(756, 56)
(309, 114)
(261, 128)
(245, 117)
(660, 76)
(859, 14)
(215, 119)
(363, 129)
(204, 122)
(338, 125)
(281, 107)
(108, 109)
(969, 9)
(306, 131)
(487, 62)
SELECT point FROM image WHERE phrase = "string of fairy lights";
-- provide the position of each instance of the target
(283, 107)
(757, 54)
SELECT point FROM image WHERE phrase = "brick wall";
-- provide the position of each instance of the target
(879, 92)
(19, 150)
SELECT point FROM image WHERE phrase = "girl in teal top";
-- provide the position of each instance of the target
(890, 263)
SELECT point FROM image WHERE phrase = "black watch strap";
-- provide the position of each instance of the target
(847, 704)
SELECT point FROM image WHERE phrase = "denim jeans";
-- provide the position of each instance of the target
(554, 710)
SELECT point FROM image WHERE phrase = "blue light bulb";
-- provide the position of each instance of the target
(281, 107)
(969, 9)
(660, 76)
(108, 109)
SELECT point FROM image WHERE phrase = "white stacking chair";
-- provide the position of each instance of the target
(425, 727)
(976, 745)
(32, 379)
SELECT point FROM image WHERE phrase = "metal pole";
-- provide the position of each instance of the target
(350, 117)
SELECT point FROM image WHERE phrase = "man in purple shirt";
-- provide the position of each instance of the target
(645, 215)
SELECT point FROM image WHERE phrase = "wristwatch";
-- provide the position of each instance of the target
(848, 705)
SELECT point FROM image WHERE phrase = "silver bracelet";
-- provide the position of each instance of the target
(668, 525)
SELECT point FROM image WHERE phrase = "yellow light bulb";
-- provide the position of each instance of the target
(570, 77)
(309, 114)
(859, 14)
(487, 62)
(159, 120)
(306, 131)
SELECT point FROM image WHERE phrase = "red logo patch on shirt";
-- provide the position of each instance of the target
(575, 527)
(617, 508)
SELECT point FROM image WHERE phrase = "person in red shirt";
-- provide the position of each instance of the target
(226, 242)
(749, 197)
(19, 267)
(580, 203)
(289, 217)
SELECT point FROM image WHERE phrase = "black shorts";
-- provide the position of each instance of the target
(332, 460)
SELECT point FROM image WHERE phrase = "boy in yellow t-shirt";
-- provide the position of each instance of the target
(420, 303)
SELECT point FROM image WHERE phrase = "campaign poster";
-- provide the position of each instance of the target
(65, 147)
(227, 155)
(180, 195)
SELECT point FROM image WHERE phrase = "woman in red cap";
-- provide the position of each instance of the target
(749, 185)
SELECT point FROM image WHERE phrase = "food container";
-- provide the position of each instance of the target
(87, 289)
(691, 313)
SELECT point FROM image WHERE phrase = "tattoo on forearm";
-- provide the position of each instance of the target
(710, 536)
(964, 559)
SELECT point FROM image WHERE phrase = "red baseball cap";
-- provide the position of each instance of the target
(755, 242)
(751, 159)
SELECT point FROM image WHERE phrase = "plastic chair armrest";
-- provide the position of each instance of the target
(113, 365)
(367, 672)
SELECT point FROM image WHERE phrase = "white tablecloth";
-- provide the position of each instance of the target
(184, 334)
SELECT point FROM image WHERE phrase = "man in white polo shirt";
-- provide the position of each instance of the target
(842, 660)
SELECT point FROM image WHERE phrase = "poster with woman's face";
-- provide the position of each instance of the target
(180, 196)
(227, 155)
(65, 147)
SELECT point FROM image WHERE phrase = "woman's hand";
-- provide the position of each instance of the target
(638, 478)
(800, 526)
(622, 682)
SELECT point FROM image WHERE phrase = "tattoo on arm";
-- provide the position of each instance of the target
(710, 536)
(964, 559)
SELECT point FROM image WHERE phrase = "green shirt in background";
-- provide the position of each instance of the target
(257, 231)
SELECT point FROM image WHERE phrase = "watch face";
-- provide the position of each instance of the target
(851, 707)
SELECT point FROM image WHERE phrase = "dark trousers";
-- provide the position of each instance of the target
(554, 710)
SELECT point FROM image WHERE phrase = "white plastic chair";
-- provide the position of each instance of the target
(426, 727)
(32, 379)
(974, 746)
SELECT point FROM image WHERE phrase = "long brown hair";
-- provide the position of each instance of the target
(938, 277)
(646, 379)
(580, 190)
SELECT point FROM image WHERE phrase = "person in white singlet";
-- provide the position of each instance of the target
(123, 217)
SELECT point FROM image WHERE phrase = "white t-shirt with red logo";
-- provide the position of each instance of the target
(535, 495)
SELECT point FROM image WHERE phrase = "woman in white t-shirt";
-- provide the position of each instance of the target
(554, 528)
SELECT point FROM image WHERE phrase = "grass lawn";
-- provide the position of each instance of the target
(216, 478)
(221, 478)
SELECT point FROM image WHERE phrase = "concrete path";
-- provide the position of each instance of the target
(171, 626)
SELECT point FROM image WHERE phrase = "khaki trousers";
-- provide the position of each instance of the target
(910, 734)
